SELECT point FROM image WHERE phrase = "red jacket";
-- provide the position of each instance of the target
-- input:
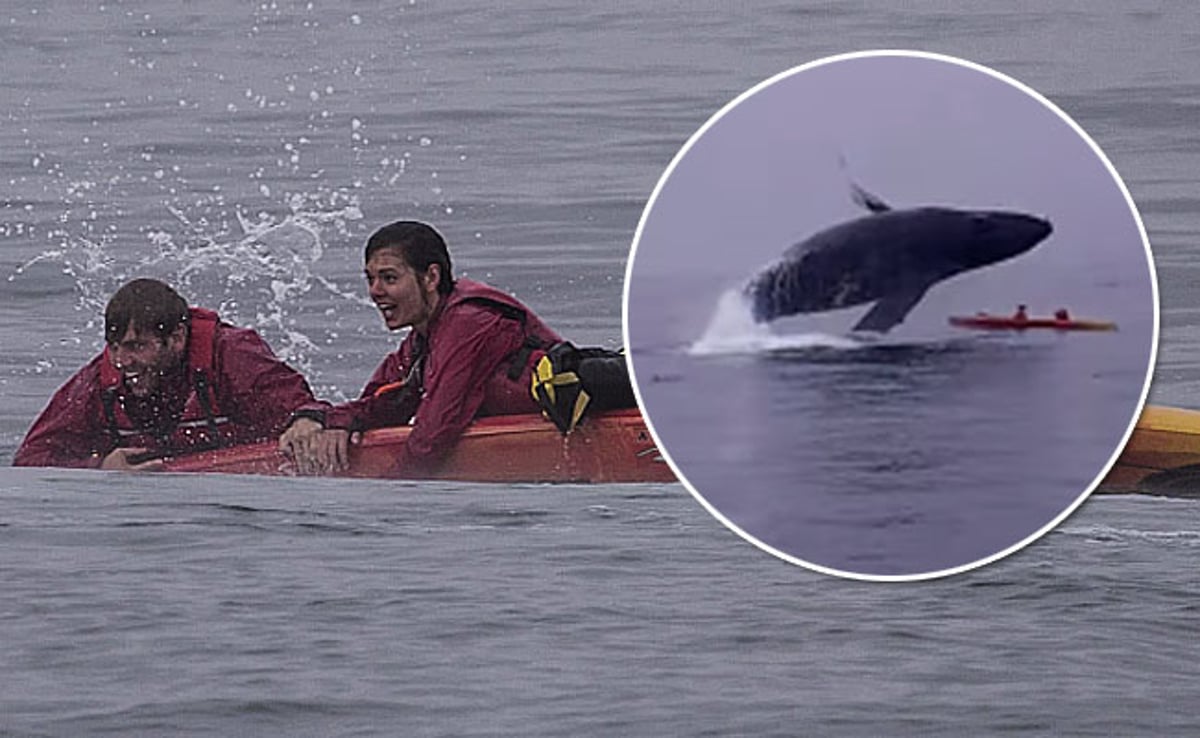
(250, 395)
(476, 339)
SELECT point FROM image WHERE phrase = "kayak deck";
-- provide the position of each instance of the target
(611, 447)
(1162, 456)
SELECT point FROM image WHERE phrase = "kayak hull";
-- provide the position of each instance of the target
(1162, 456)
(611, 447)
(987, 322)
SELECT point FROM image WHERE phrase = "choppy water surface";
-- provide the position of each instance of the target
(245, 152)
(889, 457)
(218, 606)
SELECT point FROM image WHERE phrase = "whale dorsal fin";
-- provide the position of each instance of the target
(865, 199)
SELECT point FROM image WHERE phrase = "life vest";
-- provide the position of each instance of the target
(201, 425)
(517, 367)
(564, 381)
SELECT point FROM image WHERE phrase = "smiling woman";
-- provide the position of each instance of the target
(470, 354)
(406, 284)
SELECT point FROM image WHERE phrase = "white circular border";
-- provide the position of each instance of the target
(637, 237)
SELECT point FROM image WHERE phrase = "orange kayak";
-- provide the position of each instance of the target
(1162, 456)
(611, 447)
(988, 322)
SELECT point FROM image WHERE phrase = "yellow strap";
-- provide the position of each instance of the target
(581, 403)
(543, 385)
(544, 376)
(542, 373)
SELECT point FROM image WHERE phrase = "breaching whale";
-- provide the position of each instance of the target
(890, 257)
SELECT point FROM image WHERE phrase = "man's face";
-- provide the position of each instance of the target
(143, 358)
(403, 297)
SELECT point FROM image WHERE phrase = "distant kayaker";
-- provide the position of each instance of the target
(1021, 315)
(1062, 315)
(171, 379)
(469, 354)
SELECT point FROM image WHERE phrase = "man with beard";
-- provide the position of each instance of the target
(171, 379)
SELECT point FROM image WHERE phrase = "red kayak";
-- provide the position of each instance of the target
(611, 447)
(988, 322)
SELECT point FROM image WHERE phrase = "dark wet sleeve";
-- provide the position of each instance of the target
(259, 391)
(71, 431)
(381, 403)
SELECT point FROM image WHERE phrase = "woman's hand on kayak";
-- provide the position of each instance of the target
(328, 452)
(299, 435)
(314, 449)
(118, 460)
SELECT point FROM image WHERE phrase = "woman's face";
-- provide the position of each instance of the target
(403, 297)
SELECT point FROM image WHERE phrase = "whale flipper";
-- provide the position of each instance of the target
(865, 199)
(891, 310)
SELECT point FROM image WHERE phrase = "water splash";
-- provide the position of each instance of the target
(88, 264)
(733, 330)
(252, 270)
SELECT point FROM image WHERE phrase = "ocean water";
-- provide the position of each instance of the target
(894, 458)
(245, 151)
(229, 606)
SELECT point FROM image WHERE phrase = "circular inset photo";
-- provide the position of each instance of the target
(891, 315)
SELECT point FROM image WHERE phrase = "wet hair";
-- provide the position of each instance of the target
(148, 305)
(419, 245)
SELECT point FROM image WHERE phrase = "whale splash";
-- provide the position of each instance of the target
(733, 330)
